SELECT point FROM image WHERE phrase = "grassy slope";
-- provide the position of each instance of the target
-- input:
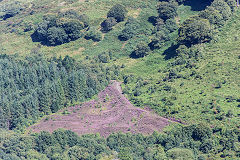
(197, 99)
(20, 42)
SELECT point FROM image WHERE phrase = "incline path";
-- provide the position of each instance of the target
(110, 112)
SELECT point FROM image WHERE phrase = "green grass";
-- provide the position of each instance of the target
(20, 42)
(185, 12)
(195, 100)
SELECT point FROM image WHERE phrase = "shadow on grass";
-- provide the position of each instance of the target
(134, 56)
(153, 20)
(171, 52)
(35, 38)
(197, 5)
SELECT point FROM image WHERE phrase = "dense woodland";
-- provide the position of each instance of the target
(34, 87)
(175, 60)
(182, 142)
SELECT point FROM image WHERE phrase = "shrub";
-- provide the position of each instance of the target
(201, 132)
(194, 30)
(159, 39)
(108, 24)
(74, 15)
(104, 57)
(180, 1)
(85, 19)
(141, 50)
(131, 29)
(51, 20)
(159, 24)
(41, 31)
(73, 28)
(207, 145)
(61, 28)
(223, 8)
(93, 34)
(77, 152)
(182, 49)
(180, 153)
(69, 14)
(171, 25)
(68, 63)
(28, 27)
(167, 10)
(118, 12)
(56, 36)
(232, 4)
(213, 16)
(125, 154)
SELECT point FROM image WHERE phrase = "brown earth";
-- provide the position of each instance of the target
(109, 112)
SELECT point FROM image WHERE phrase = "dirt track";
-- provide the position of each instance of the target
(110, 112)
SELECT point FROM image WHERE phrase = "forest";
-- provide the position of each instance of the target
(179, 58)
(182, 142)
(34, 87)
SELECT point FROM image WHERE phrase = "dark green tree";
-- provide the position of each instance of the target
(223, 8)
(131, 29)
(118, 12)
(167, 10)
(194, 30)
(56, 36)
(180, 153)
(43, 141)
(93, 34)
(142, 49)
(213, 15)
(73, 28)
(108, 24)
(171, 25)
(160, 38)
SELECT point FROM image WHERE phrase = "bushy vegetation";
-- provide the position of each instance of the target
(93, 34)
(118, 12)
(189, 81)
(194, 30)
(167, 10)
(181, 142)
(108, 24)
(131, 29)
(61, 28)
(141, 50)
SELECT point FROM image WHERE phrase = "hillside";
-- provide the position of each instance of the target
(63, 64)
(196, 94)
(109, 112)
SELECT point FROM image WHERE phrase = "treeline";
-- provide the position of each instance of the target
(34, 87)
(181, 142)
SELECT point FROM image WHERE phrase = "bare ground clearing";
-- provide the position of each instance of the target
(110, 112)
